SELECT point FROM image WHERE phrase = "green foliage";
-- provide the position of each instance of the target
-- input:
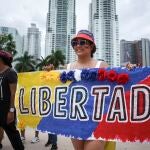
(42, 62)
(25, 63)
(8, 44)
(56, 58)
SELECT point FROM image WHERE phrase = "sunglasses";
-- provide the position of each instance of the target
(79, 42)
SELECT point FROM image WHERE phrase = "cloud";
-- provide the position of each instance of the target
(133, 16)
(134, 19)
(82, 12)
(20, 13)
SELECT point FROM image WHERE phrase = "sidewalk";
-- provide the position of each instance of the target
(65, 143)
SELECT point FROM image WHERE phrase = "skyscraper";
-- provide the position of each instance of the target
(32, 41)
(145, 52)
(60, 27)
(135, 52)
(126, 52)
(103, 22)
(16, 37)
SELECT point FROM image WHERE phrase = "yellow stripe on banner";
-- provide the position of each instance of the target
(26, 81)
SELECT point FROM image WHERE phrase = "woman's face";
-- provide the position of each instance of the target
(82, 47)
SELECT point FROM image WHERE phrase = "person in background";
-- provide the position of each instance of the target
(22, 128)
(52, 139)
(8, 85)
(36, 137)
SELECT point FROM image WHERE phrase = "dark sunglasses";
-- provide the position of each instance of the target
(79, 42)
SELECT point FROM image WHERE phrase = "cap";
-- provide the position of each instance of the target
(85, 34)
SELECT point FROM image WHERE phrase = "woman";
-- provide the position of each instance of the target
(84, 46)
(8, 85)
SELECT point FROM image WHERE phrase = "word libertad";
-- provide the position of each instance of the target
(72, 103)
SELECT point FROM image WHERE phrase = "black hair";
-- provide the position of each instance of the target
(94, 48)
(6, 61)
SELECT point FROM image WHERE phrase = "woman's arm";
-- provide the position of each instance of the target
(12, 81)
(13, 88)
(11, 115)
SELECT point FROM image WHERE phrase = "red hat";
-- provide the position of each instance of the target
(87, 35)
(6, 54)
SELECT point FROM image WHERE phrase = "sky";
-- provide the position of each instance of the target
(134, 16)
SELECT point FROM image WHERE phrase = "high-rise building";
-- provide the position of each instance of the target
(60, 27)
(16, 37)
(135, 52)
(32, 41)
(25, 43)
(103, 22)
(90, 17)
(126, 52)
(145, 52)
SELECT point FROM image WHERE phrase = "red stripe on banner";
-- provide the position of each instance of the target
(125, 131)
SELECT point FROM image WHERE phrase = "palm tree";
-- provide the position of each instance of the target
(56, 58)
(42, 62)
(25, 63)
(7, 43)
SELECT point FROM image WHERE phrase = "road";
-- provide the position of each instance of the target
(65, 143)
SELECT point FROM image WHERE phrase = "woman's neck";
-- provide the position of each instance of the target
(84, 60)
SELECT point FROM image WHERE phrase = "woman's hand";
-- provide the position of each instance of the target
(130, 66)
(48, 68)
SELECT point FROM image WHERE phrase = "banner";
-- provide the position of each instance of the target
(110, 104)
